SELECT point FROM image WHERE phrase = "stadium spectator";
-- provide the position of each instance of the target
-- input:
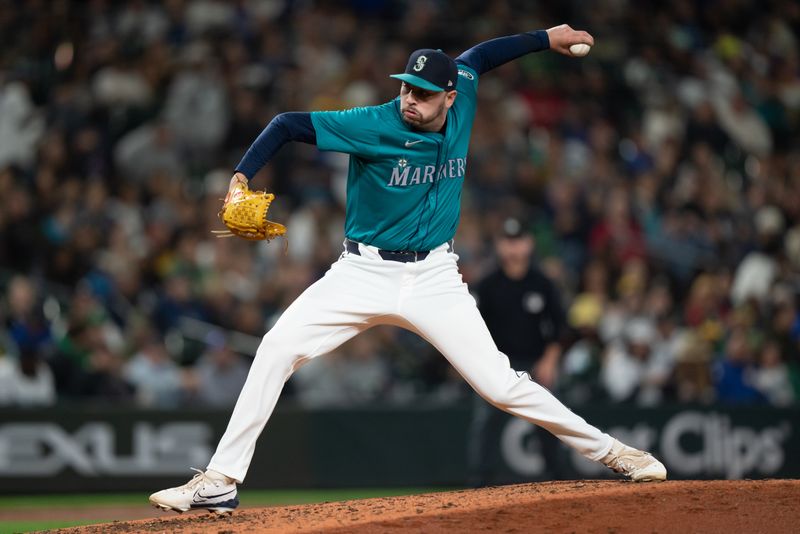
(633, 370)
(219, 374)
(157, 379)
(21, 126)
(358, 374)
(736, 373)
(772, 376)
(26, 380)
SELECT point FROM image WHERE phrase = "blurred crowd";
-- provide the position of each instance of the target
(661, 176)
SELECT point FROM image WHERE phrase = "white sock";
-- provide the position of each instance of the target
(216, 475)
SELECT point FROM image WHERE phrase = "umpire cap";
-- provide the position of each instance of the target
(430, 69)
(513, 228)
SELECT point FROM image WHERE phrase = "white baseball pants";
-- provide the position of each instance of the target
(427, 297)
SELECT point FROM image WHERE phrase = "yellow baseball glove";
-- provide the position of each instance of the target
(245, 215)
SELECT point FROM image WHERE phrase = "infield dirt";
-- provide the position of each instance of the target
(768, 506)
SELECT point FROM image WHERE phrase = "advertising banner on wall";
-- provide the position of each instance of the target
(692, 443)
(132, 450)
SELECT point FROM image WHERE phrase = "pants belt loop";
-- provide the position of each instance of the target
(351, 247)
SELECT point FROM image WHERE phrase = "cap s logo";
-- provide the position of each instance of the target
(420, 63)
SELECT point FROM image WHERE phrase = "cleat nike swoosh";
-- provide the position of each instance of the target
(196, 495)
(411, 143)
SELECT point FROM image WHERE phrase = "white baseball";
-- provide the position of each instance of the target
(579, 50)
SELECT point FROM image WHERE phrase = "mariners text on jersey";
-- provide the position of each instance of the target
(405, 174)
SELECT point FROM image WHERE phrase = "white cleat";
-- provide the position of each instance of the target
(637, 465)
(200, 493)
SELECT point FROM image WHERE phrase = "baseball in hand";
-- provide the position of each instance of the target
(579, 50)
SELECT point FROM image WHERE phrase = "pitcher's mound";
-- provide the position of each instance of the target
(769, 506)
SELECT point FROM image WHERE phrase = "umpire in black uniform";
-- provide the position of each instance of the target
(523, 311)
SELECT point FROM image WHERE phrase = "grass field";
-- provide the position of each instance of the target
(106, 501)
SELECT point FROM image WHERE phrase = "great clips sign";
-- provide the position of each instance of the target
(732, 444)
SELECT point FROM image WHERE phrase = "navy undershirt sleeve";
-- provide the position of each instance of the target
(291, 126)
(485, 56)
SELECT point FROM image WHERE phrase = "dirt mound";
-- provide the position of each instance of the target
(769, 506)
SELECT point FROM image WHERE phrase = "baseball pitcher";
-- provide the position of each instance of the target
(408, 160)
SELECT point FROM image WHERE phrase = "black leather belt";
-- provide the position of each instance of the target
(403, 256)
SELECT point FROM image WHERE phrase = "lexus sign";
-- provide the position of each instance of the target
(43, 449)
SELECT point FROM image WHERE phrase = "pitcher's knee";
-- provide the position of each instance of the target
(274, 353)
(496, 394)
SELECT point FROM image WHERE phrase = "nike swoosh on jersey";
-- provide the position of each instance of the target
(411, 143)
(196, 495)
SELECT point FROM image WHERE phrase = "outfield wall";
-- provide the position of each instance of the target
(114, 449)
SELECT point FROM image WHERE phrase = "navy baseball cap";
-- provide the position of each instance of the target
(430, 69)
(513, 228)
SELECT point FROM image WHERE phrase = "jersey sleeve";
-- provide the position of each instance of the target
(467, 87)
(488, 55)
(352, 131)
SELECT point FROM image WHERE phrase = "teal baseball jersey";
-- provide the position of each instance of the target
(404, 186)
